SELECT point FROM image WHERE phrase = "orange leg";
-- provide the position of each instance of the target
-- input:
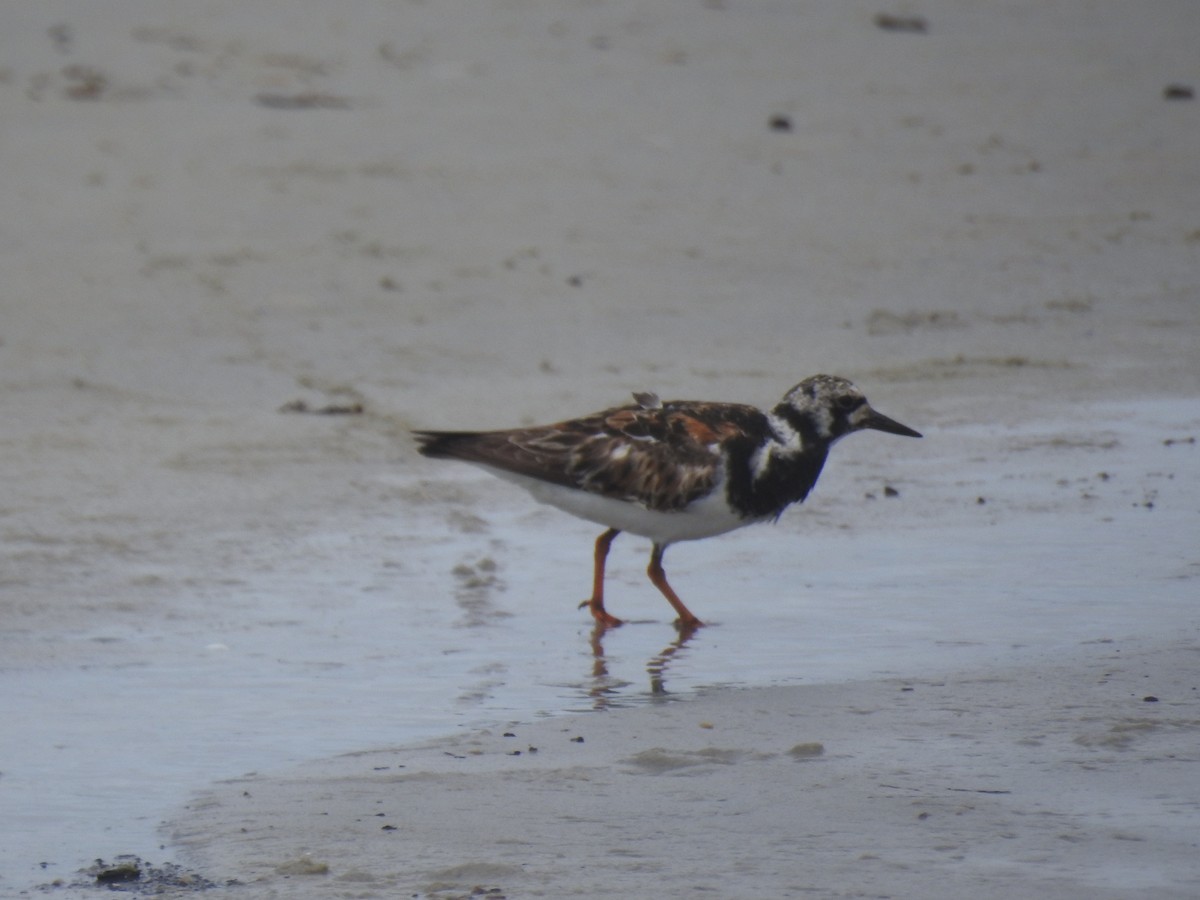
(687, 620)
(596, 604)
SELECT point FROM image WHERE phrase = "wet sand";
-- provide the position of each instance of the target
(1064, 779)
(247, 250)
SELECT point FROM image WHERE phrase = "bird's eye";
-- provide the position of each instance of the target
(847, 403)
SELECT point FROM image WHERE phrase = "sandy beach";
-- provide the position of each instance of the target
(249, 635)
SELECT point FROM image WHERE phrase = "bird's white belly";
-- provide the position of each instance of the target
(703, 518)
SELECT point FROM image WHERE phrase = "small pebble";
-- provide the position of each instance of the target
(905, 24)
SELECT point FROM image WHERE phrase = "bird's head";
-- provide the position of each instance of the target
(833, 407)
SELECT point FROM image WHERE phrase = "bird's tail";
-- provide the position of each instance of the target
(444, 444)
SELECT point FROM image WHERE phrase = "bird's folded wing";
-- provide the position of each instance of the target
(663, 458)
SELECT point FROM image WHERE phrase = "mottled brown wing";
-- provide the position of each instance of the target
(663, 457)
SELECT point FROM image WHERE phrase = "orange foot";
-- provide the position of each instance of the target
(602, 616)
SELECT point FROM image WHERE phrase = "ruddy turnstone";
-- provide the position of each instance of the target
(675, 471)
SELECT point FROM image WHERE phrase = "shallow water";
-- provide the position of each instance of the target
(336, 652)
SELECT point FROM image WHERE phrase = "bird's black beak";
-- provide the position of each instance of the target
(879, 422)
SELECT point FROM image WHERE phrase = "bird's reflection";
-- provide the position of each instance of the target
(603, 689)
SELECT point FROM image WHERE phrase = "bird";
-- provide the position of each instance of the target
(680, 470)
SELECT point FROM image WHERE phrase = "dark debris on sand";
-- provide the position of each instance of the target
(133, 875)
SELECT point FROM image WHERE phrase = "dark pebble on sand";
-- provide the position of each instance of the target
(904, 24)
(126, 871)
